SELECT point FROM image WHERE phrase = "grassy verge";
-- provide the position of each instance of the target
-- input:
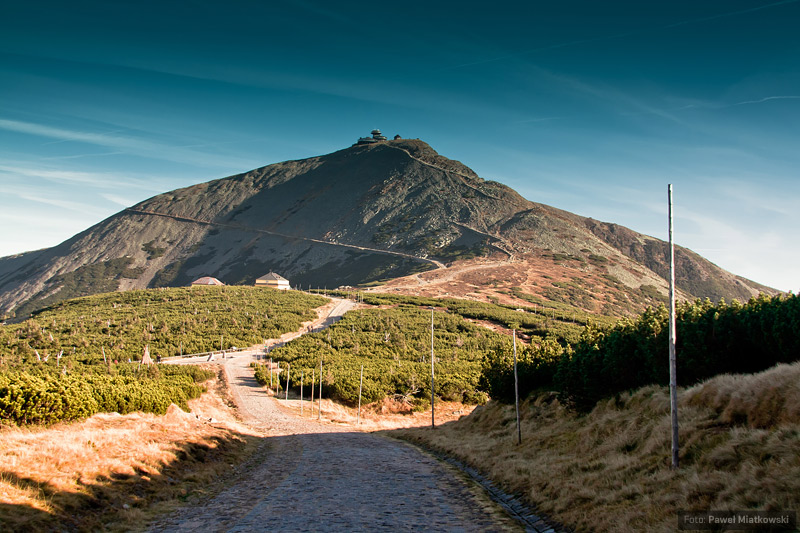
(113, 472)
(608, 470)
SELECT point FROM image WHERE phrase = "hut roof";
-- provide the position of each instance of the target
(207, 280)
(272, 276)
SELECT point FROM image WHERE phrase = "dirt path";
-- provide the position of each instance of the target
(310, 475)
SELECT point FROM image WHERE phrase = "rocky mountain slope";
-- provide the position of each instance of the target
(364, 214)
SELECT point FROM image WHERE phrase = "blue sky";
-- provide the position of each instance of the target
(587, 106)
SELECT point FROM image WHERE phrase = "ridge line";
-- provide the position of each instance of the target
(456, 172)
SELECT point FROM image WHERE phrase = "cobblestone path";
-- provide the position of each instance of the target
(318, 476)
(346, 482)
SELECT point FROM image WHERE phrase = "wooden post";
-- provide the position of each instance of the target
(270, 372)
(319, 406)
(288, 366)
(516, 387)
(301, 393)
(312, 392)
(360, 385)
(673, 380)
(433, 407)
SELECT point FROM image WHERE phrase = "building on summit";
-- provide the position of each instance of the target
(376, 137)
(206, 280)
(273, 280)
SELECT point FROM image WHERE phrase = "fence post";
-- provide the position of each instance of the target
(360, 385)
(319, 407)
(288, 366)
(301, 393)
(433, 407)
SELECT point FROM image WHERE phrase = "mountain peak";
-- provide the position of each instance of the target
(377, 210)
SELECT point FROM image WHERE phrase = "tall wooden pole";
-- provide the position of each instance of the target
(288, 366)
(673, 380)
(319, 407)
(433, 408)
(301, 393)
(360, 386)
(516, 387)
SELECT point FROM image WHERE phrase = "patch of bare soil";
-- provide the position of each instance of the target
(489, 280)
(386, 414)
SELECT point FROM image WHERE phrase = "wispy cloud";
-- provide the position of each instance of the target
(768, 198)
(119, 200)
(697, 104)
(102, 139)
(60, 141)
(766, 99)
(86, 208)
(80, 156)
(619, 102)
(128, 145)
(93, 179)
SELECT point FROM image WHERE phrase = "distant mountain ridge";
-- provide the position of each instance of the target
(362, 214)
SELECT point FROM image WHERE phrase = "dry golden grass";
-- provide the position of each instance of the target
(762, 400)
(113, 472)
(609, 470)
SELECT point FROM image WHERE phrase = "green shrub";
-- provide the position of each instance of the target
(536, 367)
(711, 340)
(46, 395)
(393, 345)
(170, 321)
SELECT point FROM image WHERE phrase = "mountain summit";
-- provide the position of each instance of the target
(372, 212)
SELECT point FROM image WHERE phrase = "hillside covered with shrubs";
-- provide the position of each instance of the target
(711, 339)
(80, 357)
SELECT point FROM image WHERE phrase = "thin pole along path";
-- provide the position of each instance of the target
(320, 476)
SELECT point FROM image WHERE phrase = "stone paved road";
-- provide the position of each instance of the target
(312, 476)
(348, 482)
